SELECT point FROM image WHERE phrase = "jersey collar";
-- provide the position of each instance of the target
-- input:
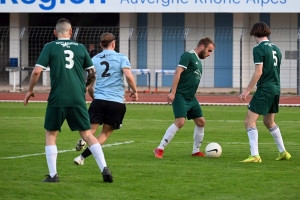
(263, 41)
(196, 54)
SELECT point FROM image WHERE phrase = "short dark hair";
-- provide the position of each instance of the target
(260, 29)
(61, 20)
(106, 38)
(206, 41)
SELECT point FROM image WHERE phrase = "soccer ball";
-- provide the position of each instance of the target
(213, 150)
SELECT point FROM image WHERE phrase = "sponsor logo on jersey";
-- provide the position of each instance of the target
(67, 44)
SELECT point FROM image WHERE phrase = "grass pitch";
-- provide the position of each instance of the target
(137, 173)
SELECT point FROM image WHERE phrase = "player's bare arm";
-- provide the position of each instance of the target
(90, 82)
(131, 82)
(91, 77)
(255, 77)
(35, 75)
(175, 82)
(90, 90)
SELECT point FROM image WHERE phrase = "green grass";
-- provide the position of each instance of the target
(137, 173)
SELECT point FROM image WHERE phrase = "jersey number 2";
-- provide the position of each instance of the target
(105, 74)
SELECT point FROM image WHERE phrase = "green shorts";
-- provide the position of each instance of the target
(77, 118)
(186, 108)
(263, 103)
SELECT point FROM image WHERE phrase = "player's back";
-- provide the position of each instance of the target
(271, 55)
(109, 80)
(67, 60)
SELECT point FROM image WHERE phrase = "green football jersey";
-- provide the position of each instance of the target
(269, 55)
(190, 77)
(67, 60)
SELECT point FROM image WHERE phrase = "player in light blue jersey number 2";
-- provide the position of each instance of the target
(108, 108)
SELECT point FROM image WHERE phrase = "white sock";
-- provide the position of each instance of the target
(98, 154)
(253, 140)
(275, 132)
(198, 138)
(51, 156)
(171, 131)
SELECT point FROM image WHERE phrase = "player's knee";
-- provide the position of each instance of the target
(200, 122)
(179, 123)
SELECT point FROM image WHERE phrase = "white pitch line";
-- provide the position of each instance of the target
(155, 120)
(228, 143)
(63, 151)
(163, 103)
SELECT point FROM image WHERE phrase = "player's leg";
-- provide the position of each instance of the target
(180, 111)
(256, 107)
(81, 143)
(92, 110)
(195, 113)
(51, 156)
(102, 137)
(96, 114)
(250, 124)
(79, 160)
(54, 118)
(269, 122)
(98, 154)
(106, 131)
(78, 119)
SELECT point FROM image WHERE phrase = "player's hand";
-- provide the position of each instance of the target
(170, 97)
(244, 95)
(27, 97)
(134, 96)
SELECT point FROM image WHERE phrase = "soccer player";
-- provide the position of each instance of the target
(265, 101)
(108, 108)
(182, 96)
(67, 60)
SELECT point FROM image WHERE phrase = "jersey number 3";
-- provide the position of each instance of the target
(69, 58)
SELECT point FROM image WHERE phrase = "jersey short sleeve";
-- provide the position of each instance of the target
(125, 62)
(43, 60)
(258, 55)
(184, 60)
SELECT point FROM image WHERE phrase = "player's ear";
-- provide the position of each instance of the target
(70, 31)
(202, 46)
(54, 32)
(113, 44)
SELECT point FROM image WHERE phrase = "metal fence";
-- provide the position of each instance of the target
(156, 49)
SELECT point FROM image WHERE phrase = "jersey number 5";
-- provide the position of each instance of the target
(275, 58)
(69, 58)
(105, 74)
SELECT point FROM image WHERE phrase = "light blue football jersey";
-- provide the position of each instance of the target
(109, 80)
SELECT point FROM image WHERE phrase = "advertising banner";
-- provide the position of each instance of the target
(150, 6)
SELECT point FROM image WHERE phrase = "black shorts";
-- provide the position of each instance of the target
(107, 112)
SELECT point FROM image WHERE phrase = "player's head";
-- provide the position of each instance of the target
(260, 29)
(91, 46)
(205, 47)
(63, 28)
(107, 41)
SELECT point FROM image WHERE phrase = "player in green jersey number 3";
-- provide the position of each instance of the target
(67, 60)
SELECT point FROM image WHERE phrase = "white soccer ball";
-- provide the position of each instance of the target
(213, 150)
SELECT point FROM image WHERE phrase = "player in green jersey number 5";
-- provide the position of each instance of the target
(265, 101)
(67, 60)
(182, 96)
